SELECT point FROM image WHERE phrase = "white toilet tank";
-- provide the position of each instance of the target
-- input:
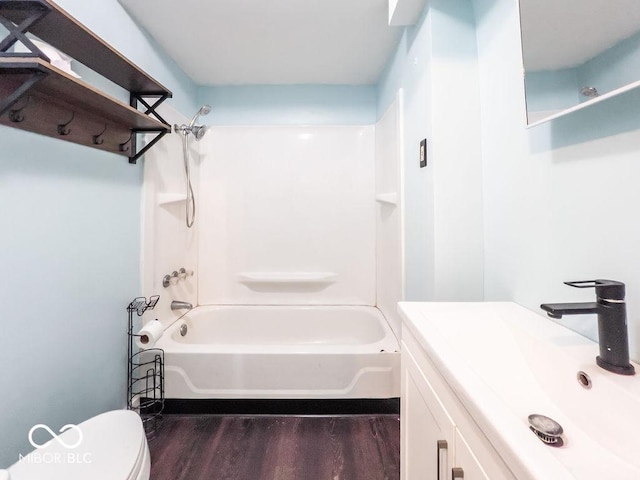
(110, 446)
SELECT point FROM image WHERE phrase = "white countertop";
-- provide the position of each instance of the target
(504, 362)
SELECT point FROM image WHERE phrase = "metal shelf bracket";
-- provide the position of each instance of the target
(137, 154)
(17, 32)
(150, 109)
(11, 99)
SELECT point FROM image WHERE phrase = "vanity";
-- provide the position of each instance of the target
(472, 373)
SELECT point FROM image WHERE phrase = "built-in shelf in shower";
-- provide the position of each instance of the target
(171, 198)
(387, 198)
(262, 278)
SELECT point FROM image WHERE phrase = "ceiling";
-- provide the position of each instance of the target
(241, 42)
(560, 34)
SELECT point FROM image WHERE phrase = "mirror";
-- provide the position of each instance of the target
(577, 52)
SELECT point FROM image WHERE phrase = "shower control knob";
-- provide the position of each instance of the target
(175, 278)
(184, 273)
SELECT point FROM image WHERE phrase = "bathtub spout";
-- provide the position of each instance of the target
(177, 305)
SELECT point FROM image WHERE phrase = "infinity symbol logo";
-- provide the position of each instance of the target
(54, 436)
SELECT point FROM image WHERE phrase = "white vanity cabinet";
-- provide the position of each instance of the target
(439, 439)
(427, 431)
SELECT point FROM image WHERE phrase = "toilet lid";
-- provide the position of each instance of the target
(106, 447)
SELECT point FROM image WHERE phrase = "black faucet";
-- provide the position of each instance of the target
(612, 322)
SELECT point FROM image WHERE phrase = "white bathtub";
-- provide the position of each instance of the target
(281, 352)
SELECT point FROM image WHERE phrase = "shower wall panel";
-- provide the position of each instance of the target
(287, 215)
(168, 244)
(389, 240)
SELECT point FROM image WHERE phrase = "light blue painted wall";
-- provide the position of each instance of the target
(442, 202)
(408, 69)
(613, 68)
(70, 247)
(290, 104)
(552, 90)
(456, 146)
(70, 251)
(560, 199)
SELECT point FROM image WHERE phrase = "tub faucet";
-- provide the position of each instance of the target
(177, 305)
(612, 322)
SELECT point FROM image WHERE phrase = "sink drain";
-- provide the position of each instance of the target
(546, 429)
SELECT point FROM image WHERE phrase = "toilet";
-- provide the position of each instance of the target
(110, 446)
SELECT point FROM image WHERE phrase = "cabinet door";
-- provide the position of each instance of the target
(467, 461)
(425, 421)
(478, 458)
(427, 431)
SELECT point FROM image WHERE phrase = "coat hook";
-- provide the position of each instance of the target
(98, 139)
(16, 115)
(62, 127)
(123, 146)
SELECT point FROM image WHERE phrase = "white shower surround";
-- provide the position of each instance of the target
(287, 216)
(298, 240)
(167, 243)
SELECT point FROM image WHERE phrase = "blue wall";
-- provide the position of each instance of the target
(613, 68)
(442, 202)
(408, 69)
(290, 104)
(541, 186)
(70, 252)
(552, 90)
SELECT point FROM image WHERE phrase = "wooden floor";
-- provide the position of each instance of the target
(217, 447)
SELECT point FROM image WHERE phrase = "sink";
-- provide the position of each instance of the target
(505, 362)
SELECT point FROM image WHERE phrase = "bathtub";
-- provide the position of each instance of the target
(281, 352)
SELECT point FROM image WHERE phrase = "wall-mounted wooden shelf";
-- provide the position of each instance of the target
(38, 97)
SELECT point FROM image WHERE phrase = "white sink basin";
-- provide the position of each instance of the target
(505, 362)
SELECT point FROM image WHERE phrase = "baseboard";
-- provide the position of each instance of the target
(252, 406)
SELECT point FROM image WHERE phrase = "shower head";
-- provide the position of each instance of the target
(204, 110)
(199, 131)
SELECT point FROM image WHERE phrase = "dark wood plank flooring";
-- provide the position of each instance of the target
(262, 447)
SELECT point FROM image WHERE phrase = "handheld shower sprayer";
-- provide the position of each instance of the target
(198, 132)
(204, 110)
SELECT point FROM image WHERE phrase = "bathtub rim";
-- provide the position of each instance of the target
(389, 343)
